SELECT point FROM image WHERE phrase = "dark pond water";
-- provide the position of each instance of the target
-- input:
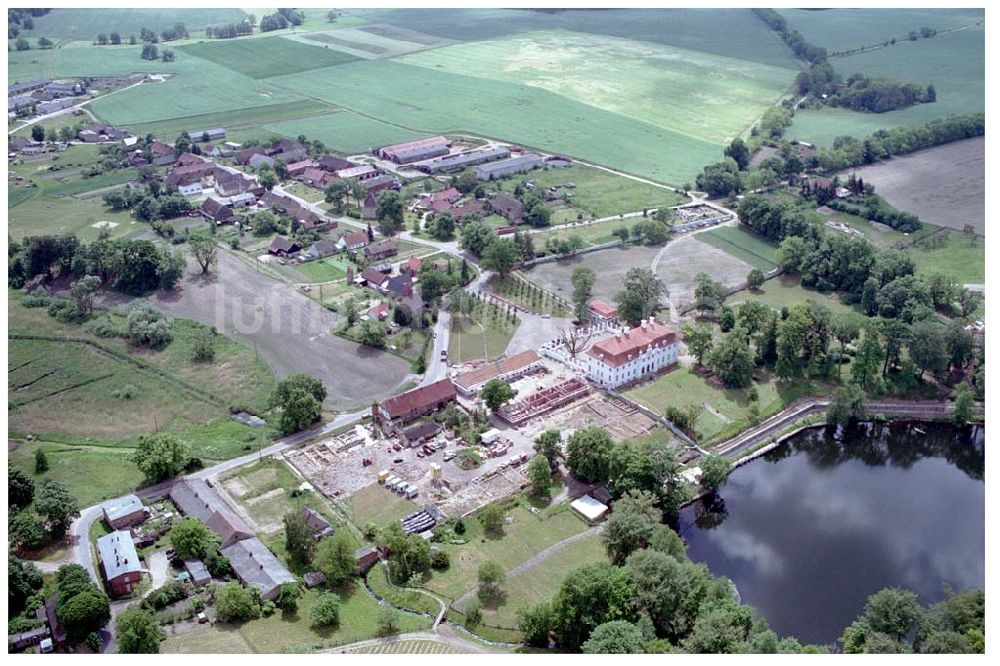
(810, 530)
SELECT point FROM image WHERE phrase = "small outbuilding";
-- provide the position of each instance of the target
(589, 509)
(198, 572)
(123, 512)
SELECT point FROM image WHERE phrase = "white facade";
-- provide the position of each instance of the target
(189, 189)
(648, 360)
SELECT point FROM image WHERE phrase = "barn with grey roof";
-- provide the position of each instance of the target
(255, 565)
(509, 167)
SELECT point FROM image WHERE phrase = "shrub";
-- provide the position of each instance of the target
(326, 612)
(126, 392)
(36, 301)
(440, 560)
(147, 326)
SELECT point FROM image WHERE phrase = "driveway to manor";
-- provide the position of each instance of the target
(290, 331)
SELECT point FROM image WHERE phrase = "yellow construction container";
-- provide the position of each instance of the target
(435, 471)
(383, 475)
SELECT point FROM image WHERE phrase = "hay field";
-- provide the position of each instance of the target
(694, 93)
(373, 41)
(398, 93)
(953, 62)
(266, 57)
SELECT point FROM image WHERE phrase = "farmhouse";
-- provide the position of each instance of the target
(216, 211)
(470, 208)
(258, 159)
(255, 565)
(333, 164)
(282, 247)
(508, 207)
(196, 499)
(243, 157)
(462, 160)
(320, 249)
(379, 183)
(382, 250)
(190, 173)
(509, 167)
(123, 512)
(508, 370)
(400, 286)
(320, 526)
(379, 312)
(632, 354)
(374, 277)
(185, 159)
(119, 561)
(603, 313)
(401, 409)
(369, 211)
(207, 135)
(416, 435)
(162, 153)
(415, 151)
(296, 169)
(353, 240)
(211, 150)
(412, 267)
(316, 177)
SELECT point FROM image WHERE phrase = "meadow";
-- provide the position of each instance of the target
(252, 117)
(962, 258)
(694, 93)
(742, 244)
(396, 93)
(953, 62)
(266, 57)
(599, 192)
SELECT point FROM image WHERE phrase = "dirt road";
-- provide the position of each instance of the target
(289, 331)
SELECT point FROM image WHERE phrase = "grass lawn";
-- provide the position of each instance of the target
(292, 631)
(378, 581)
(324, 270)
(541, 582)
(599, 192)
(592, 234)
(724, 410)
(742, 244)
(266, 57)
(93, 474)
(524, 536)
(478, 336)
(786, 291)
(216, 639)
(376, 504)
(879, 238)
(959, 259)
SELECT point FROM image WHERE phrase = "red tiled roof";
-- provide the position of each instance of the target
(355, 237)
(419, 399)
(603, 309)
(374, 276)
(473, 378)
(621, 348)
(413, 264)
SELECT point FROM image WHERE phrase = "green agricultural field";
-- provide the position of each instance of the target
(372, 41)
(742, 244)
(345, 131)
(524, 536)
(852, 28)
(693, 93)
(541, 582)
(953, 62)
(86, 23)
(961, 258)
(599, 192)
(735, 33)
(396, 93)
(85, 59)
(284, 111)
(266, 57)
(200, 87)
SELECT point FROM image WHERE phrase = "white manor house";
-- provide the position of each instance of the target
(632, 354)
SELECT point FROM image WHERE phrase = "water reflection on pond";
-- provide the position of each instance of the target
(811, 529)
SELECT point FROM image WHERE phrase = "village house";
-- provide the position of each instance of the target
(257, 566)
(283, 247)
(631, 355)
(190, 173)
(217, 212)
(259, 159)
(284, 146)
(296, 169)
(383, 182)
(400, 286)
(353, 240)
(196, 499)
(242, 157)
(229, 184)
(320, 249)
(401, 409)
(411, 267)
(469, 208)
(162, 153)
(320, 526)
(333, 164)
(373, 277)
(508, 207)
(507, 370)
(123, 512)
(382, 250)
(187, 159)
(211, 150)
(369, 211)
(313, 176)
(360, 172)
(120, 566)
(379, 312)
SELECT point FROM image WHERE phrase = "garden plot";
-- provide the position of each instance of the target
(620, 418)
